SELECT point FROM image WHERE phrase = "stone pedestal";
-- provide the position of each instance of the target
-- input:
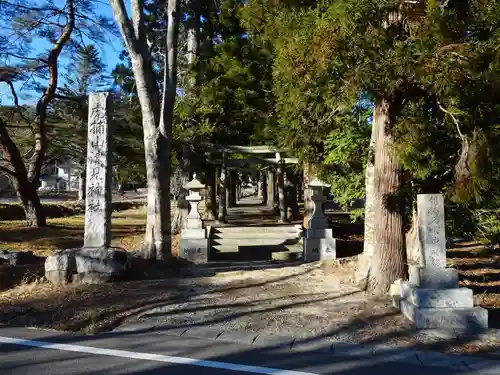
(194, 244)
(319, 243)
(432, 297)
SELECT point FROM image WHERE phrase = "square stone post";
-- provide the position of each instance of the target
(432, 297)
(98, 196)
(221, 216)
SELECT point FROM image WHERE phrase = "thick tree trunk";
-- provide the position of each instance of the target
(26, 190)
(361, 276)
(193, 40)
(308, 206)
(28, 195)
(157, 241)
(210, 190)
(280, 174)
(182, 206)
(389, 257)
(271, 198)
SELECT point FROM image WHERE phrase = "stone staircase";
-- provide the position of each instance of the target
(254, 243)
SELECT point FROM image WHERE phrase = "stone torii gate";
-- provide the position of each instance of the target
(272, 179)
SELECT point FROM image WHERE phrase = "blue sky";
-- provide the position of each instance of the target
(109, 51)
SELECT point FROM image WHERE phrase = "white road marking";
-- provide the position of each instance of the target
(151, 357)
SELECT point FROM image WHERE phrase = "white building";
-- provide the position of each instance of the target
(60, 176)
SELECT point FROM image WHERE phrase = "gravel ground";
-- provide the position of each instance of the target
(303, 301)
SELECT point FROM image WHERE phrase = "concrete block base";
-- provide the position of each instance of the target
(467, 319)
(317, 249)
(435, 278)
(436, 298)
(194, 250)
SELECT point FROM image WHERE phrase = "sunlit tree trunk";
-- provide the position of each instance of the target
(389, 257)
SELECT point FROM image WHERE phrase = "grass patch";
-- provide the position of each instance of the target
(15, 211)
(127, 228)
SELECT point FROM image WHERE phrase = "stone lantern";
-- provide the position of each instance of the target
(193, 219)
(194, 243)
(319, 243)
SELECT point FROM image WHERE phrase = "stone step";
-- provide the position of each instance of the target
(253, 235)
(269, 229)
(470, 318)
(432, 298)
(258, 248)
(253, 241)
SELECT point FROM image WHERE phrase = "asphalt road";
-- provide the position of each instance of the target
(25, 351)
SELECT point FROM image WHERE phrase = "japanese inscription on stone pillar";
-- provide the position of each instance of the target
(430, 209)
(98, 200)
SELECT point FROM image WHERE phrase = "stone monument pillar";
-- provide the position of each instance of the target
(280, 171)
(194, 242)
(98, 197)
(221, 215)
(96, 261)
(319, 243)
(432, 297)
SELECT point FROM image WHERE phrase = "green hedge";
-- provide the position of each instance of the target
(15, 211)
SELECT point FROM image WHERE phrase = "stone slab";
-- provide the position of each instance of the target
(431, 229)
(194, 250)
(470, 319)
(429, 298)
(105, 260)
(318, 249)
(433, 278)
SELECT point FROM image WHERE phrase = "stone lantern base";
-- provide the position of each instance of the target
(194, 249)
(319, 244)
